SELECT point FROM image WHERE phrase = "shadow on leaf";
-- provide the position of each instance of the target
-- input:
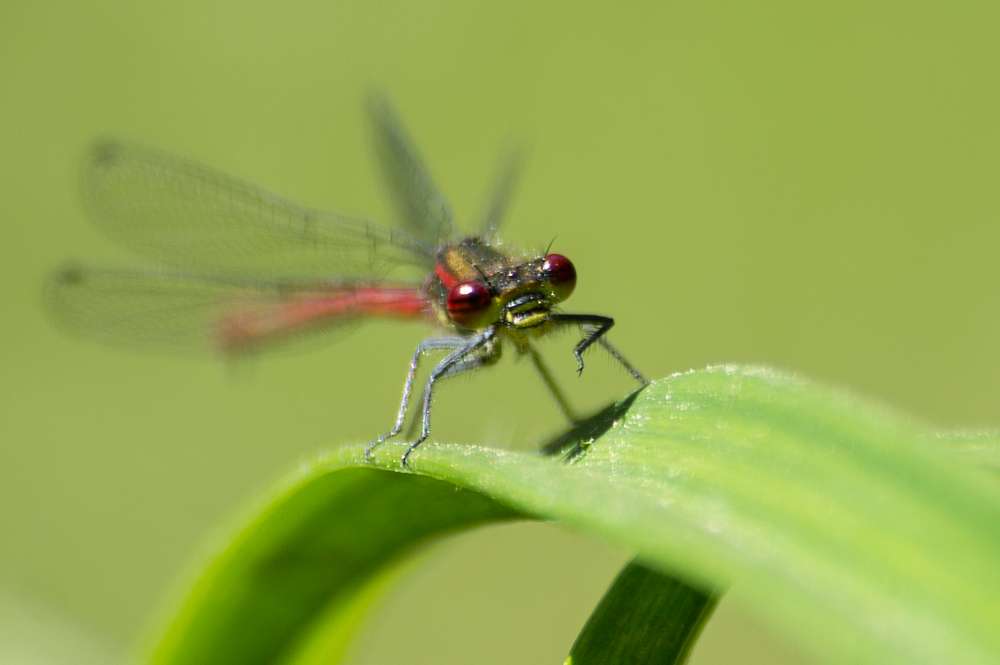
(575, 441)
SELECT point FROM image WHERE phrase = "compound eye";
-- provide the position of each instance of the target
(470, 305)
(561, 275)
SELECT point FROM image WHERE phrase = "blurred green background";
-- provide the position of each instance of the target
(812, 186)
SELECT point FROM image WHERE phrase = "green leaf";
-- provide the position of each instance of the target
(980, 449)
(838, 520)
(312, 557)
(645, 618)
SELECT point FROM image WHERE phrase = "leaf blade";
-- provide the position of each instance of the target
(837, 519)
(302, 555)
(645, 618)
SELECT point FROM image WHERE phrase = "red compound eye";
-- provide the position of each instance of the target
(561, 275)
(470, 305)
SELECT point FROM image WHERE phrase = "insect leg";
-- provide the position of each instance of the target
(616, 354)
(595, 327)
(492, 354)
(426, 346)
(460, 360)
(553, 387)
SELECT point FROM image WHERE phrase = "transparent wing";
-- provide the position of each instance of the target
(422, 209)
(188, 215)
(150, 310)
(504, 185)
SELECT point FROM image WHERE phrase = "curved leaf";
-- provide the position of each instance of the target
(835, 518)
(312, 558)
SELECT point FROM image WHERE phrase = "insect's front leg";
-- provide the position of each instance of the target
(426, 346)
(595, 327)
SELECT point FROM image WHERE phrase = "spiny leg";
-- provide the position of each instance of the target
(456, 362)
(463, 366)
(616, 354)
(551, 384)
(411, 430)
(595, 327)
(426, 346)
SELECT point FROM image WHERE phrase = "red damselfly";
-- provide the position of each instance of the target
(238, 268)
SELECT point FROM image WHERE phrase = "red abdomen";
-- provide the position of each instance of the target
(265, 322)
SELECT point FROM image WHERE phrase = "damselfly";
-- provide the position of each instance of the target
(239, 268)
